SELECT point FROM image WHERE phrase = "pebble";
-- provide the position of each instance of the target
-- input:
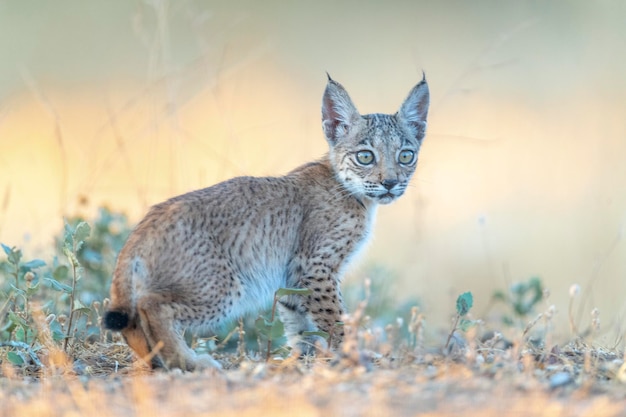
(560, 379)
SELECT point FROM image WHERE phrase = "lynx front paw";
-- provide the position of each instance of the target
(194, 362)
(205, 361)
(308, 345)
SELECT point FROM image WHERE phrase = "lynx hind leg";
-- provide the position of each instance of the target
(136, 339)
(159, 325)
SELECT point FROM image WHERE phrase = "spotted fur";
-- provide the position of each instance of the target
(206, 257)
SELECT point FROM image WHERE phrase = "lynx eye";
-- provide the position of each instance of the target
(406, 157)
(365, 157)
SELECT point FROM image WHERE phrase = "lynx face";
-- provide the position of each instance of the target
(375, 155)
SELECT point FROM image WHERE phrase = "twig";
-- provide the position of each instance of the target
(456, 323)
(71, 316)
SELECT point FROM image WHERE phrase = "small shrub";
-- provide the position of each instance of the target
(98, 253)
(521, 300)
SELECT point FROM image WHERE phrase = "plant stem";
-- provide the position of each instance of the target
(456, 322)
(17, 274)
(241, 345)
(71, 315)
(269, 337)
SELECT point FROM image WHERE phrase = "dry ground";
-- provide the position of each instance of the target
(103, 382)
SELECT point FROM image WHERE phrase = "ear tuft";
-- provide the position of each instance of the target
(414, 110)
(338, 111)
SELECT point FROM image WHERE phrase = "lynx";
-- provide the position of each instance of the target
(206, 257)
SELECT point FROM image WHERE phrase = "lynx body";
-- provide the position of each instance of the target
(209, 256)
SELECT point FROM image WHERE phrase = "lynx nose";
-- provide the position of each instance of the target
(389, 184)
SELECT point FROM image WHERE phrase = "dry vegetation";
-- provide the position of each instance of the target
(387, 371)
(479, 381)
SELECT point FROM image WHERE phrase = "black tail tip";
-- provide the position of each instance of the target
(115, 320)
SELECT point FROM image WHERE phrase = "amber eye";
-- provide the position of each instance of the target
(365, 157)
(406, 157)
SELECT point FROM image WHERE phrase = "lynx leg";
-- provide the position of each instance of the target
(320, 310)
(158, 323)
(325, 306)
(297, 320)
(137, 340)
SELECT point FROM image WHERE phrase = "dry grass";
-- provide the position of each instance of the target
(473, 380)
(377, 373)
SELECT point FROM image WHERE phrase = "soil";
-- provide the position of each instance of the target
(103, 381)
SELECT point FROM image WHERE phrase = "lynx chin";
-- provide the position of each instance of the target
(210, 256)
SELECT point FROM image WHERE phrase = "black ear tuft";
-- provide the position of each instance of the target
(115, 320)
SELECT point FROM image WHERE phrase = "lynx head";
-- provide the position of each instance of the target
(374, 155)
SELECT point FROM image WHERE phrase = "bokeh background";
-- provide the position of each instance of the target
(523, 172)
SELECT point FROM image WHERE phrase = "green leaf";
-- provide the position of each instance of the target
(466, 324)
(20, 334)
(78, 306)
(293, 291)
(526, 296)
(61, 272)
(14, 256)
(81, 232)
(8, 327)
(68, 234)
(261, 326)
(464, 303)
(57, 286)
(17, 290)
(15, 359)
(278, 329)
(17, 319)
(35, 263)
(319, 333)
(32, 289)
(268, 328)
(57, 331)
(6, 249)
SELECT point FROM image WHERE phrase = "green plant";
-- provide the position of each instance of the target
(464, 303)
(522, 299)
(28, 284)
(23, 283)
(73, 241)
(271, 327)
(98, 253)
(36, 289)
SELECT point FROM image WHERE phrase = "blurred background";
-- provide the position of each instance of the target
(523, 172)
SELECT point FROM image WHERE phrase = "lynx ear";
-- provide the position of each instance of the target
(414, 110)
(338, 112)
